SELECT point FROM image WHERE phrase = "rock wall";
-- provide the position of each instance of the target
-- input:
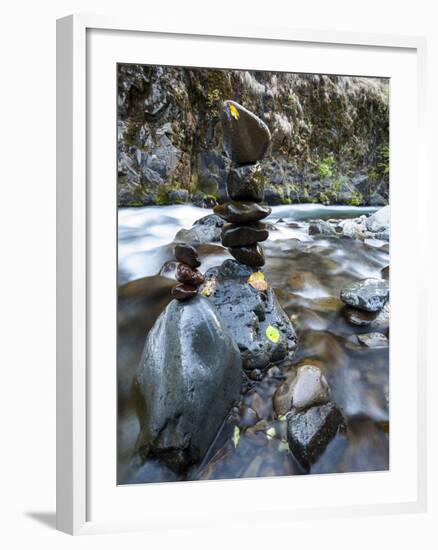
(330, 135)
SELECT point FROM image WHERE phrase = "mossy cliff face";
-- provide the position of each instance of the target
(330, 135)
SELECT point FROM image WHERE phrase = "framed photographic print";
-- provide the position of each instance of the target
(238, 275)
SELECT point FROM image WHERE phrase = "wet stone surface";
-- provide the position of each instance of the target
(245, 183)
(306, 273)
(187, 254)
(242, 212)
(243, 235)
(369, 294)
(251, 255)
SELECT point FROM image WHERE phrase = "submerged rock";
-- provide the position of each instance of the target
(255, 319)
(361, 318)
(303, 388)
(189, 377)
(373, 340)
(246, 138)
(369, 294)
(309, 432)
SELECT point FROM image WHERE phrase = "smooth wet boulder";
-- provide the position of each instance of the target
(368, 295)
(304, 387)
(251, 255)
(189, 377)
(246, 137)
(242, 212)
(369, 319)
(309, 431)
(243, 235)
(255, 319)
(187, 254)
(246, 183)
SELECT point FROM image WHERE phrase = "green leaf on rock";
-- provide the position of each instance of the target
(272, 334)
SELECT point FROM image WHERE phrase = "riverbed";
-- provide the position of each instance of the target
(307, 272)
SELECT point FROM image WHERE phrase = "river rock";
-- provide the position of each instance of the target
(255, 319)
(246, 138)
(369, 294)
(186, 274)
(379, 221)
(249, 255)
(242, 212)
(184, 292)
(321, 227)
(187, 254)
(246, 183)
(243, 235)
(370, 319)
(373, 340)
(309, 432)
(189, 378)
(303, 388)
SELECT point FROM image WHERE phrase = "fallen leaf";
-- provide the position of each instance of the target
(257, 281)
(208, 288)
(271, 433)
(234, 112)
(272, 334)
(236, 436)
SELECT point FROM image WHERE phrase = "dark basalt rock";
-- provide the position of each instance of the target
(246, 137)
(187, 254)
(309, 432)
(189, 377)
(186, 274)
(243, 235)
(249, 255)
(369, 294)
(248, 313)
(246, 183)
(242, 212)
(371, 319)
(184, 292)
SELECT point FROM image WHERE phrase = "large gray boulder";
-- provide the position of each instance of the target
(253, 316)
(189, 377)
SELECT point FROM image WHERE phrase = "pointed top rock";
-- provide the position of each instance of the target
(246, 137)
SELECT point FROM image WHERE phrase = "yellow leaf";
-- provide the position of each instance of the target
(233, 111)
(257, 281)
(236, 436)
(272, 334)
(208, 288)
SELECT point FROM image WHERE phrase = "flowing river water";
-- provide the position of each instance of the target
(307, 273)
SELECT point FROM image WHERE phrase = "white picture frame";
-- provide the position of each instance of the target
(76, 224)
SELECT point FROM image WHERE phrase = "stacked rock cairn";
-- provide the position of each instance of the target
(186, 272)
(246, 139)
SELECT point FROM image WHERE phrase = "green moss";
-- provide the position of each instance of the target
(356, 199)
(326, 166)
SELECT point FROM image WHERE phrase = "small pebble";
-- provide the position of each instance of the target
(184, 292)
(186, 274)
(187, 254)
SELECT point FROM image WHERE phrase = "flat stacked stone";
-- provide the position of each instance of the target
(186, 272)
(246, 140)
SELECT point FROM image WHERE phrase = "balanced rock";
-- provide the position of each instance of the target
(187, 254)
(184, 292)
(243, 235)
(246, 138)
(251, 255)
(303, 388)
(309, 431)
(189, 378)
(369, 294)
(187, 275)
(255, 319)
(242, 212)
(246, 183)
